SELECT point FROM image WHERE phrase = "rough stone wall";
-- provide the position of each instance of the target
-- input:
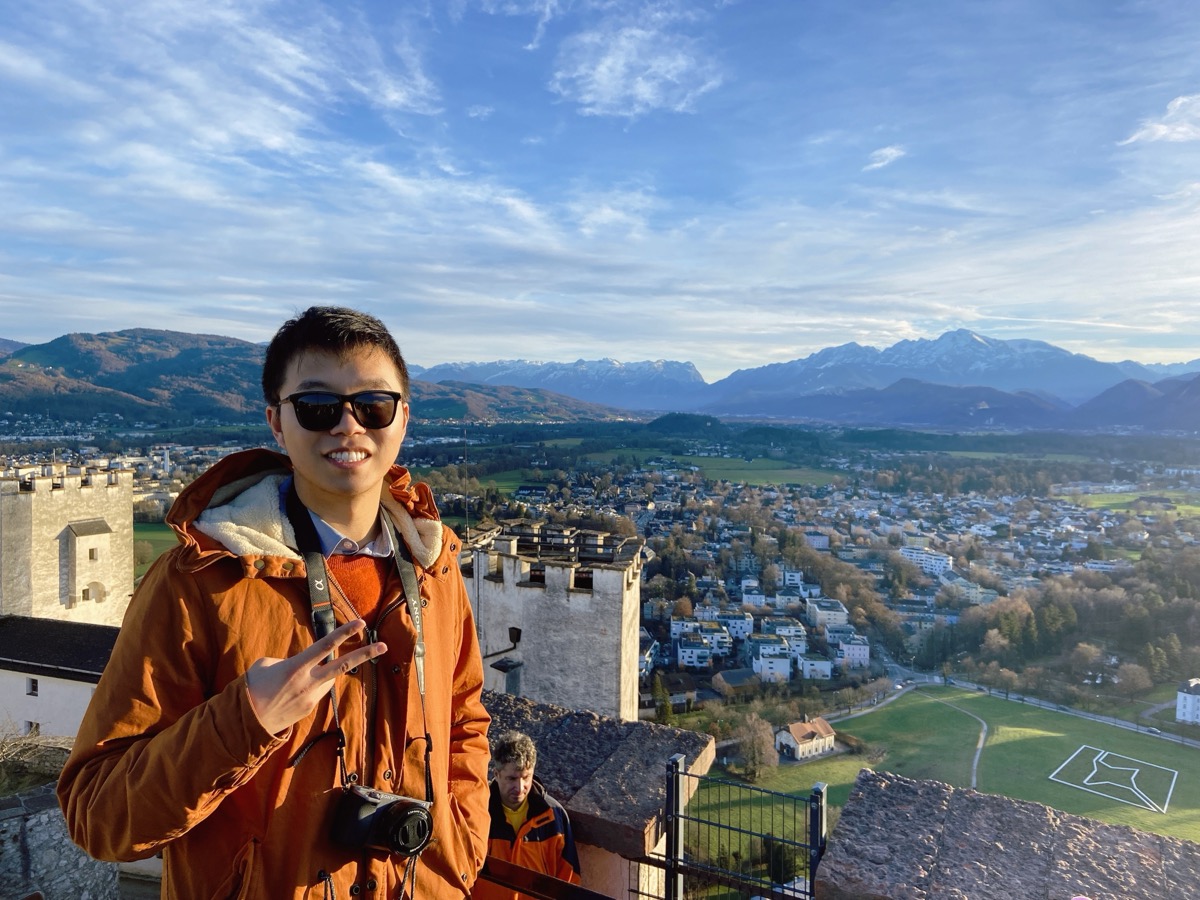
(46, 566)
(37, 855)
(900, 838)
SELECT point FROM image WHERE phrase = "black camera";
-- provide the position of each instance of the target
(365, 817)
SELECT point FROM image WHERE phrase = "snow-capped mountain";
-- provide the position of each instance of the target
(959, 358)
(852, 382)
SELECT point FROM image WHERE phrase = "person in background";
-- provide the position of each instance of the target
(292, 708)
(529, 827)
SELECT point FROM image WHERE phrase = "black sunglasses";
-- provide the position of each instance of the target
(322, 410)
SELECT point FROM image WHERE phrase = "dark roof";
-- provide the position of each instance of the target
(76, 651)
(90, 526)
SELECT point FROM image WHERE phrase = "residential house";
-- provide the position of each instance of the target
(823, 612)
(739, 624)
(768, 655)
(815, 667)
(854, 652)
(693, 651)
(1187, 702)
(805, 739)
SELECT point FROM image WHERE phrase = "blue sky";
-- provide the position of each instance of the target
(730, 182)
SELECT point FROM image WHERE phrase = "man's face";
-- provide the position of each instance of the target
(333, 469)
(514, 783)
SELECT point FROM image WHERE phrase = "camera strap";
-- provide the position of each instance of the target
(412, 596)
(309, 544)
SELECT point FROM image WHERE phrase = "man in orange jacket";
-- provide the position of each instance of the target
(292, 708)
(529, 827)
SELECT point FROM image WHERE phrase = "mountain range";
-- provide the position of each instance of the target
(960, 380)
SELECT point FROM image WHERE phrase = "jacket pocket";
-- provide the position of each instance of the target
(237, 886)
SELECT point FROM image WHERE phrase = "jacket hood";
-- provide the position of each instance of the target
(233, 509)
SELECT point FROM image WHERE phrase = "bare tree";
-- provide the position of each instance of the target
(758, 746)
(1133, 679)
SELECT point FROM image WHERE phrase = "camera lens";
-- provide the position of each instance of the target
(409, 828)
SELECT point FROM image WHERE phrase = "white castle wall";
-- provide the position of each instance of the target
(62, 535)
(579, 646)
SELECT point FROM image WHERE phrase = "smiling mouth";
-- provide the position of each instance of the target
(347, 456)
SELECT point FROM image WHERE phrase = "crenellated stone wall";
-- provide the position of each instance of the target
(68, 546)
(37, 855)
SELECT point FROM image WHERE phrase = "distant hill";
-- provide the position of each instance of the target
(7, 346)
(167, 377)
(958, 381)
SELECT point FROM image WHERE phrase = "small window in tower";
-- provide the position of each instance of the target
(31, 687)
(93, 553)
(33, 728)
(87, 594)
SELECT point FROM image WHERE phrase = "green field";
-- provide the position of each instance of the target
(160, 536)
(928, 734)
(1186, 503)
(757, 471)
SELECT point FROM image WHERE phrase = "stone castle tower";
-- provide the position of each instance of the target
(67, 544)
(575, 596)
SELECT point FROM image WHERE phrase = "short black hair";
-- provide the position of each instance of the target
(326, 329)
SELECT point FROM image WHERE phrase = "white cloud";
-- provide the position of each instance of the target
(629, 69)
(884, 156)
(480, 111)
(1180, 123)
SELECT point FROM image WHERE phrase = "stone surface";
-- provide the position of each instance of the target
(902, 838)
(37, 855)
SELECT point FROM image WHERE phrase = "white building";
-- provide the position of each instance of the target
(822, 612)
(48, 672)
(929, 561)
(1187, 702)
(815, 667)
(739, 624)
(854, 652)
(804, 740)
(693, 651)
(718, 639)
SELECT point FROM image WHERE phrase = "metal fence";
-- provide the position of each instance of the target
(726, 840)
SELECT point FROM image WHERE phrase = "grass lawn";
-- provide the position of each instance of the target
(928, 734)
(161, 538)
(758, 471)
(1187, 503)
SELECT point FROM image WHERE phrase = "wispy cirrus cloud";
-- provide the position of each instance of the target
(884, 156)
(631, 66)
(1181, 122)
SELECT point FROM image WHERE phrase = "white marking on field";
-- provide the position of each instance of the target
(1115, 776)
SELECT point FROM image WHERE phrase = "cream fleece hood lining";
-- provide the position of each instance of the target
(251, 523)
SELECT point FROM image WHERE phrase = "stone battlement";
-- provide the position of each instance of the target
(31, 483)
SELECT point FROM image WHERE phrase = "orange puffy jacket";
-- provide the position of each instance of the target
(171, 756)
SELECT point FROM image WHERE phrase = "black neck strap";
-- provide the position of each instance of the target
(308, 542)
